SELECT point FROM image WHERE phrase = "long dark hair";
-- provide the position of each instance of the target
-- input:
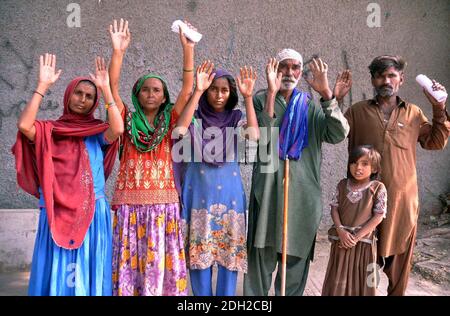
(233, 98)
(374, 158)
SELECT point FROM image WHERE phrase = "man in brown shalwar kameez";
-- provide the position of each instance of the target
(394, 126)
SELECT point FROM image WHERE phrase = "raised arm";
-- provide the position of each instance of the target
(101, 80)
(47, 77)
(342, 86)
(435, 136)
(331, 123)
(273, 85)
(246, 83)
(120, 38)
(188, 71)
(204, 79)
(319, 82)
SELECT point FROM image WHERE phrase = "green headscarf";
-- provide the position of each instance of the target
(141, 133)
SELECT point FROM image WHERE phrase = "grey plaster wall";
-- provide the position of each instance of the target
(236, 32)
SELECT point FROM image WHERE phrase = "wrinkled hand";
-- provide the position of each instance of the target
(246, 81)
(273, 76)
(436, 86)
(47, 67)
(101, 78)
(347, 240)
(204, 76)
(185, 42)
(343, 85)
(319, 82)
(120, 36)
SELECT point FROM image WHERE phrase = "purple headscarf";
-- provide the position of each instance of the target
(210, 118)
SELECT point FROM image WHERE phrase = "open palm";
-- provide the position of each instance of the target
(343, 85)
(47, 69)
(246, 81)
(273, 76)
(101, 77)
(319, 69)
(120, 35)
(204, 75)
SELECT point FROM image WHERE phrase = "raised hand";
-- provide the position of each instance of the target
(47, 73)
(204, 76)
(319, 82)
(185, 42)
(120, 35)
(436, 86)
(273, 76)
(246, 81)
(343, 85)
(101, 77)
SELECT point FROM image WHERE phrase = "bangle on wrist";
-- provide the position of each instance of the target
(188, 70)
(110, 104)
(35, 91)
(341, 227)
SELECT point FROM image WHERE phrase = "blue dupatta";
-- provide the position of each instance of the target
(294, 127)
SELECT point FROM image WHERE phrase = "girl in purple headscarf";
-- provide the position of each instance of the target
(214, 204)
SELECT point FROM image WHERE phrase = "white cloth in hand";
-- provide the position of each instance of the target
(188, 32)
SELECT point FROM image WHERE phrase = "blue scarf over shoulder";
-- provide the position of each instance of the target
(294, 127)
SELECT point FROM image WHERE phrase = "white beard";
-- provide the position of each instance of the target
(288, 85)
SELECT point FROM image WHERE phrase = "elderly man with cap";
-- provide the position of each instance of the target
(300, 140)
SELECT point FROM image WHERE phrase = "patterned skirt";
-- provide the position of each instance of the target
(148, 251)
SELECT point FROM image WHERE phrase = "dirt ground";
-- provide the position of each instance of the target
(430, 275)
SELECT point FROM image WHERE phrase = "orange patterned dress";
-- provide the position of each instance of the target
(148, 248)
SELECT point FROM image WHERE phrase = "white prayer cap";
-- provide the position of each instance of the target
(289, 53)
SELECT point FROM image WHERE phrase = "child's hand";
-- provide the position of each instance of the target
(347, 240)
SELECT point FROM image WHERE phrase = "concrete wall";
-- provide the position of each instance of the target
(17, 234)
(236, 32)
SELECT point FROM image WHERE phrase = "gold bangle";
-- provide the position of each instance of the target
(108, 105)
(188, 70)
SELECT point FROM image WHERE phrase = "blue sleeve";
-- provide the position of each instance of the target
(102, 140)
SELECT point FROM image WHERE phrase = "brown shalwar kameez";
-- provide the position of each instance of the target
(396, 140)
(352, 271)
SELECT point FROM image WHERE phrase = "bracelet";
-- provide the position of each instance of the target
(188, 70)
(108, 105)
(35, 91)
(341, 227)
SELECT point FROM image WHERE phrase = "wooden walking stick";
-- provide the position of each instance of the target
(285, 227)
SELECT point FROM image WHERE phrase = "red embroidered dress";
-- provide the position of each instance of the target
(146, 177)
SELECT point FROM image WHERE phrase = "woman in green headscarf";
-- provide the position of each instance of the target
(148, 249)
